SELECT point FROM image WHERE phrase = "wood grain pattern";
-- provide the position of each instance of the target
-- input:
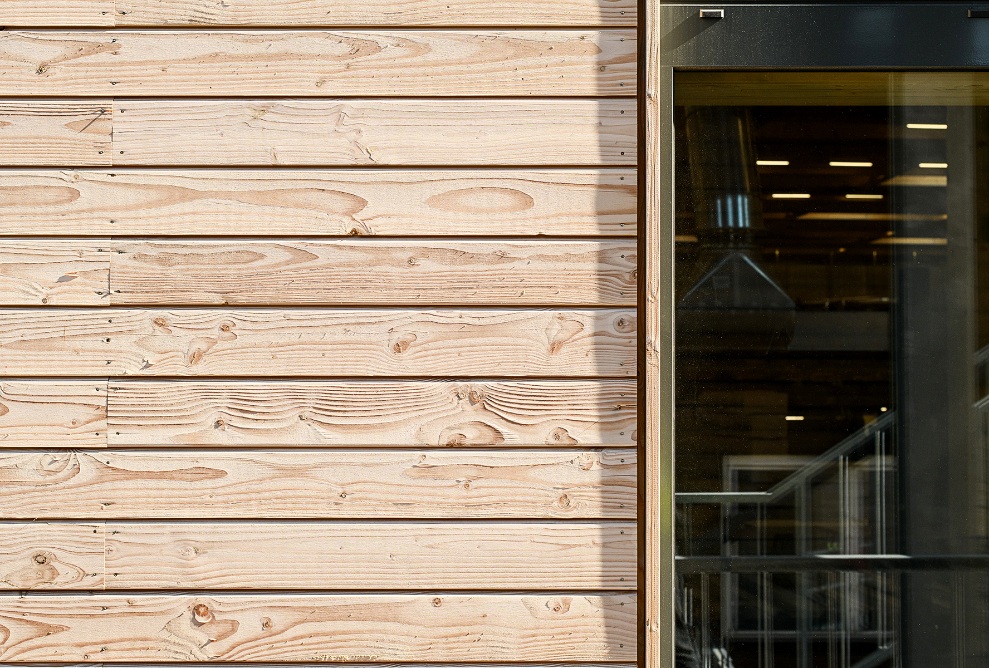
(383, 628)
(372, 12)
(372, 271)
(58, 13)
(318, 63)
(69, 414)
(366, 556)
(381, 131)
(54, 132)
(39, 555)
(378, 413)
(318, 203)
(657, 519)
(317, 342)
(338, 484)
(57, 272)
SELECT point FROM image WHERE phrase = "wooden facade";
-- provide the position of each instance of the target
(319, 332)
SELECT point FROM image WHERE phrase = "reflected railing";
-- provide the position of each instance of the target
(802, 564)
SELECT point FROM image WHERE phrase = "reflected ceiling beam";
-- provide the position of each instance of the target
(882, 89)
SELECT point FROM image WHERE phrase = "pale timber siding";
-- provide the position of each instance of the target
(318, 332)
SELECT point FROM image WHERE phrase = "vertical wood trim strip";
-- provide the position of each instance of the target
(656, 468)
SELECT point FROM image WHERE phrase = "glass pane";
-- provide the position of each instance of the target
(832, 369)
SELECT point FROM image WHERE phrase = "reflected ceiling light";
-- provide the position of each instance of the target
(820, 215)
(883, 409)
(791, 195)
(911, 241)
(794, 418)
(933, 165)
(862, 196)
(840, 163)
(927, 126)
(773, 163)
(685, 238)
(917, 180)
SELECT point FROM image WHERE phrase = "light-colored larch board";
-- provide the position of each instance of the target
(54, 271)
(54, 413)
(373, 12)
(372, 556)
(373, 271)
(409, 132)
(55, 132)
(328, 627)
(318, 342)
(312, 202)
(314, 484)
(53, 13)
(366, 413)
(42, 555)
(318, 63)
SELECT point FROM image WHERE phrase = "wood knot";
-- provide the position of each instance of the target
(201, 613)
(560, 436)
(565, 501)
(266, 623)
(624, 324)
(559, 606)
(403, 343)
(437, 602)
(219, 424)
(41, 558)
(160, 322)
(475, 396)
(467, 485)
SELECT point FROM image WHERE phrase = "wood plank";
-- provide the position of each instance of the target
(335, 484)
(369, 556)
(40, 555)
(656, 499)
(317, 342)
(374, 12)
(378, 413)
(318, 203)
(54, 13)
(379, 131)
(69, 414)
(385, 628)
(318, 63)
(373, 271)
(55, 132)
(57, 272)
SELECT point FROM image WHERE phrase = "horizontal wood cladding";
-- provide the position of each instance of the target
(53, 413)
(320, 131)
(373, 272)
(260, 13)
(380, 131)
(79, 414)
(56, 272)
(371, 413)
(334, 484)
(317, 342)
(59, 12)
(372, 12)
(61, 132)
(386, 627)
(39, 555)
(318, 63)
(367, 556)
(273, 202)
(320, 556)
(317, 272)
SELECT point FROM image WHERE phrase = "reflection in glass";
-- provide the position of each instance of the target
(832, 369)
